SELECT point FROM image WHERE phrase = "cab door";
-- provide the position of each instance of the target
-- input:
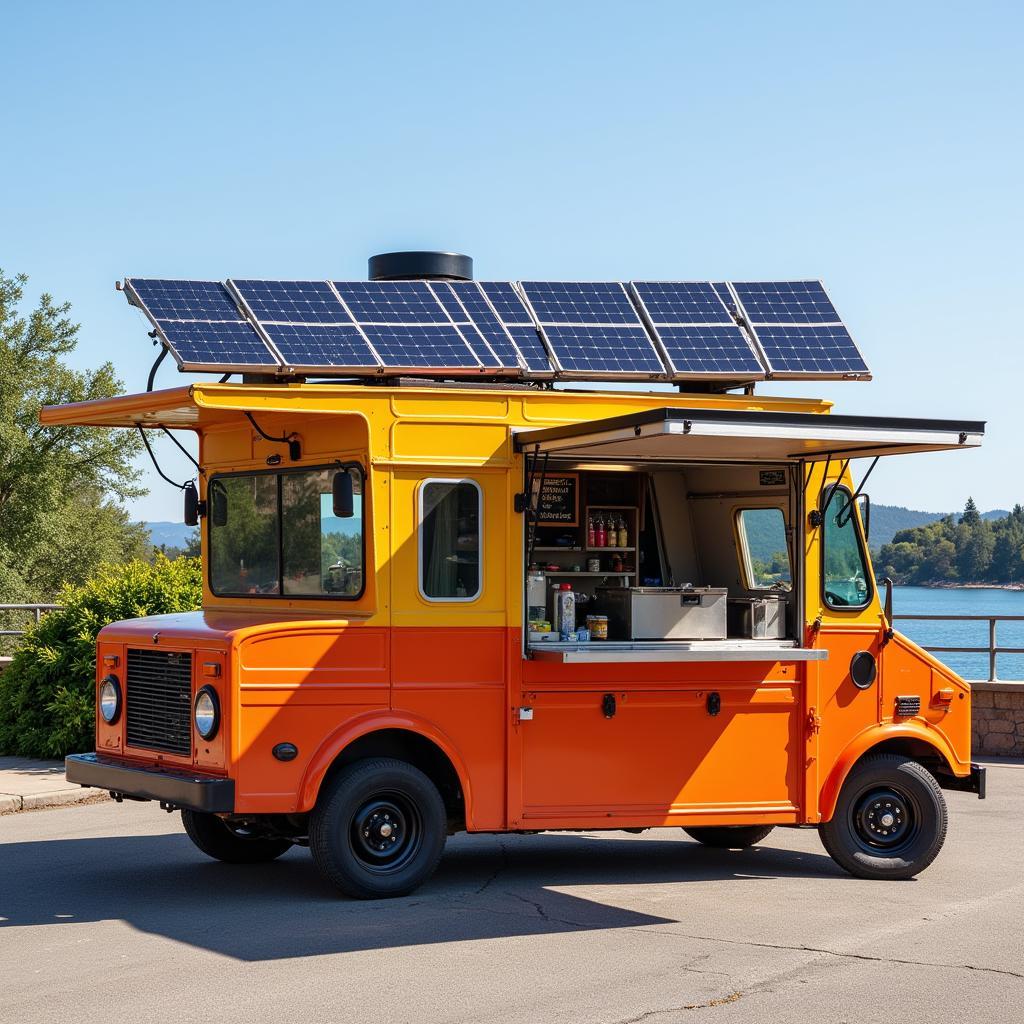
(448, 582)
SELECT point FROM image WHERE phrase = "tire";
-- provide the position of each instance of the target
(729, 837)
(378, 829)
(217, 839)
(890, 819)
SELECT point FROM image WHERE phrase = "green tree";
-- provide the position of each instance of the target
(971, 516)
(60, 487)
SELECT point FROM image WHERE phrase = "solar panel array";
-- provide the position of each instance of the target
(646, 330)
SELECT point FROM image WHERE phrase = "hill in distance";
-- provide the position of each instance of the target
(886, 522)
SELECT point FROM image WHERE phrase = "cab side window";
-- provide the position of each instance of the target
(844, 567)
(450, 521)
(763, 550)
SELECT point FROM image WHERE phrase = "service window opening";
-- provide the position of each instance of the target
(698, 554)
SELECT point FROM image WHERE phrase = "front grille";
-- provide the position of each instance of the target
(158, 701)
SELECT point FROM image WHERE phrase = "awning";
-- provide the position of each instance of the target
(721, 435)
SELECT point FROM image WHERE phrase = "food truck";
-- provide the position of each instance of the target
(522, 557)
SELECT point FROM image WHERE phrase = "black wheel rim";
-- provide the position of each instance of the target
(885, 819)
(386, 832)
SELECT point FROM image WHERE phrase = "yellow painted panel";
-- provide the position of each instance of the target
(441, 443)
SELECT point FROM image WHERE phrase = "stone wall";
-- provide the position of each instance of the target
(997, 725)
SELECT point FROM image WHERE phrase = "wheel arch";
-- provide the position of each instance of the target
(926, 746)
(404, 737)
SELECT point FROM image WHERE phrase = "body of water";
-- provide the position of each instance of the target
(926, 601)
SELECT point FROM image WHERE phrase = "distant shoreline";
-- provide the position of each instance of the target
(965, 586)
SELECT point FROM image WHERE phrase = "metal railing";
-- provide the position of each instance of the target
(992, 649)
(34, 609)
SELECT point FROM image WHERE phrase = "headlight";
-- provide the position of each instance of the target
(110, 699)
(207, 713)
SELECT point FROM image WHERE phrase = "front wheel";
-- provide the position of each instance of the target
(234, 844)
(378, 829)
(889, 821)
(729, 837)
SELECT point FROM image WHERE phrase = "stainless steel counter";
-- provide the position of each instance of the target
(674, 650)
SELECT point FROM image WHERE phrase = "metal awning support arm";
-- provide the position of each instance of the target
(184, 451)
(847, 509)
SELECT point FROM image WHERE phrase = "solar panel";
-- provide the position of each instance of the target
(201, 325)
(307, 324)
(696, 330)
(592, 329)
(798, 329)
(786, 302)
(508, 306)
(496, 340)
(408, 327)
(818, 350)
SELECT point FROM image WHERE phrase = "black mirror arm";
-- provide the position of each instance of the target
(887, 583)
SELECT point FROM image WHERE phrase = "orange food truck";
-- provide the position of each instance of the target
(521, 557)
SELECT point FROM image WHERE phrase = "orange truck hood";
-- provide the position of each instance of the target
(209, 627)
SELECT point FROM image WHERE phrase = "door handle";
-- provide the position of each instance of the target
(608, 705)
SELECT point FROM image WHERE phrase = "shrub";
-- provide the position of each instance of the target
(47, 702)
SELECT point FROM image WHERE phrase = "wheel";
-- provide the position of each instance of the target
(729, 837)
(230, 843)
(378, 830)
(890, 820)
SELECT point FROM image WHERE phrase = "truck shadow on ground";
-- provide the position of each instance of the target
(486, 887)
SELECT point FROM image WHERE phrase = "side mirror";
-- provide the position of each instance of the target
(342, 493)
(191, 504)
(218, 504)
(865, 514)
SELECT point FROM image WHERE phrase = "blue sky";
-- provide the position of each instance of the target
(875, 146)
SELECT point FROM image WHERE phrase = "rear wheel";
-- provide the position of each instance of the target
(890, 819)
(378, 830)
(234, 844)
(729, 837)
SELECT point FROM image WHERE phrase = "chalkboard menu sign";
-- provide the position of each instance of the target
(559, 501)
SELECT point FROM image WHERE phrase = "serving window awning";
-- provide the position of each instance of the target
(721, 435)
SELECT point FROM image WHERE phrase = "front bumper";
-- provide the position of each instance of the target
(177, 788)
(973, 783)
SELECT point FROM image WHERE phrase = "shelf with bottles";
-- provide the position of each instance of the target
(610, 528)
(586, 572)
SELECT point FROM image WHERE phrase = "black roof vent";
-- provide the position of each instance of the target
(404, 266)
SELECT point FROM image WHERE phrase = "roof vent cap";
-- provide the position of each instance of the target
(404, 266)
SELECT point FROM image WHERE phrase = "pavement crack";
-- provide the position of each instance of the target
(648, 1015)
(492, 878)
(845, 955)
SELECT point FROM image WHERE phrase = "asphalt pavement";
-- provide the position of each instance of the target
(108, 913)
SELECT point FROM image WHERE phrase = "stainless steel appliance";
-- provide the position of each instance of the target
(664, 613)
(758, 618)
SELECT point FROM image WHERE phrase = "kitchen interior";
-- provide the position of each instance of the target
(641, 560)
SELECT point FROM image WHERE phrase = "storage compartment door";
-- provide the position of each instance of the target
(660, 754)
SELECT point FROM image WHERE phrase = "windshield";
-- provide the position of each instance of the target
(276, 534)
(844, 567)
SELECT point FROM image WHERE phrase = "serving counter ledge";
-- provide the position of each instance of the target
(673, 650)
